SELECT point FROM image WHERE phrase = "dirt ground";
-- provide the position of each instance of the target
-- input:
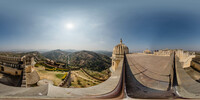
(50, 75)
(79, 80)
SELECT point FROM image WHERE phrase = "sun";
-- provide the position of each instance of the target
(69, 26)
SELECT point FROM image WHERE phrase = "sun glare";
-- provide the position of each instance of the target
(69, 26)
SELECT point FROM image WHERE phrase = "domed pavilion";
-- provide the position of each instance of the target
(118, 54)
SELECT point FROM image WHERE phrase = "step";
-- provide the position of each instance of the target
(23, 85)
(23, 81)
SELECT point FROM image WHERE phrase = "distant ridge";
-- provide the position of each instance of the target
(89, 59)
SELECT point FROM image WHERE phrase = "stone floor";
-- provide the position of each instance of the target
(147, 76)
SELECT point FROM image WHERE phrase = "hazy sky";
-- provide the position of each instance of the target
(99, 24)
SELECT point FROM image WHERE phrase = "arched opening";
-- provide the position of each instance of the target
(16, 73)
(2, 68)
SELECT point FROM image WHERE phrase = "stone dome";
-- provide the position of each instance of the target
(118, 54)
(120, 49)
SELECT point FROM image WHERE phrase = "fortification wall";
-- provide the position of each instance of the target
(9, 70)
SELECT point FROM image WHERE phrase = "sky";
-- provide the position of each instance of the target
(99, 24)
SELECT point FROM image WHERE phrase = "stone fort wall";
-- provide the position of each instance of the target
(9, 70)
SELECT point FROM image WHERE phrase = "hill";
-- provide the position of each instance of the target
(87, 59)
(90, 60)
(57, 55)
(107, 53)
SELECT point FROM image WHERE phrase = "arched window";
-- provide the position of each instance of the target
(16, 73)
(113, 63)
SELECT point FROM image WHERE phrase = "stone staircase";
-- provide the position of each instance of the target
(24, 79)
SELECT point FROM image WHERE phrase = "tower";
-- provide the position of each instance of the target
(118, 54)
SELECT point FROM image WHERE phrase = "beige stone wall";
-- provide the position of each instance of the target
(9, 70)
(195, 65)
(163, 52)
(185, 58)
(29, 69)
(115, 64)
(10, 58)
(32, 78)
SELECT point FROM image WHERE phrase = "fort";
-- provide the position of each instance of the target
(22, 66)
(159, 74)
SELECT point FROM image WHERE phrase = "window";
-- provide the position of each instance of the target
(2, 69)
(16, 73)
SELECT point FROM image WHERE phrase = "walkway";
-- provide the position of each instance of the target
(147, 76)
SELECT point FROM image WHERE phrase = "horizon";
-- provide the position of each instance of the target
(76, 50)
(99, 25)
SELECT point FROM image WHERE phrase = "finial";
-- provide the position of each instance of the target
(121, 41)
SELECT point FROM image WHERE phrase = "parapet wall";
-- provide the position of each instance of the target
(163, 52)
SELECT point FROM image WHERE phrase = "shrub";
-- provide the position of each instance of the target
(60, 76)
(64, 76)
(37, 65)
